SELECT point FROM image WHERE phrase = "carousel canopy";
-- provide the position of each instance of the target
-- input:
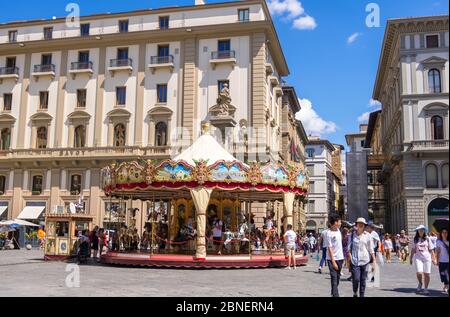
(207, 149)
(204, 164)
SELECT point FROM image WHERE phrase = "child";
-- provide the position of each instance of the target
(388, 247)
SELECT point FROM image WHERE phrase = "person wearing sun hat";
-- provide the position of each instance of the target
(422, 255)
(361, 252)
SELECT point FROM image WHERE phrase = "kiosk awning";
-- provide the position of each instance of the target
(31, 212)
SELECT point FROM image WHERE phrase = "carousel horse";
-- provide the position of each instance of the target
(146, 239)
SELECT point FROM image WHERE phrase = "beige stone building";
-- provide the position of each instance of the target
(294, 139)
(413, 88)
(127, 86)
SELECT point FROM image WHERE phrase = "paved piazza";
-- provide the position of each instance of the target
(24, 273)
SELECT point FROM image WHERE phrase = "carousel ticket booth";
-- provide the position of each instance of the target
(200, 189)
(62, 232)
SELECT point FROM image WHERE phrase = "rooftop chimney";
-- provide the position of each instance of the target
(199, 2)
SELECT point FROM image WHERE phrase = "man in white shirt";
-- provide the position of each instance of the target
(335, 254)
(376, 245)
(289, 238)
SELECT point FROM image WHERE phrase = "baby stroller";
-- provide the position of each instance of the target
(83, 252)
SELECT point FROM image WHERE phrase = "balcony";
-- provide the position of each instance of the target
(81, 68)
(44, 70)
(269, 69)
(274, 80)
(223, 57)
(120, 65)
(429, 146)
(9, 73)
(86, 153)
(159, 62)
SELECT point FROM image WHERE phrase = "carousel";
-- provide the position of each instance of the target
(204, 209)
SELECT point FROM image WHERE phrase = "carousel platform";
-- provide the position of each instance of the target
(211, 262)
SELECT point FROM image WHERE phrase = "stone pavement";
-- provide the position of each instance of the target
(24, 273)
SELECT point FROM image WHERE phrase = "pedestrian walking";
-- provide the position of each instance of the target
(442, 257)
(361, 252)
(335, 254)
(289, 238)
(388, 247)
(323, 248)
(376, 246)
(422, 255)
(94, 241)
(404, 246)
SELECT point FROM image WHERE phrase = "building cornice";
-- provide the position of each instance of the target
(394, 28)
(108, 15)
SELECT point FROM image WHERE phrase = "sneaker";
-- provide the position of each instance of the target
(426, 292)
(295, 268)
(419, 288)
(355, 295)
(320, 270)
(288, 268)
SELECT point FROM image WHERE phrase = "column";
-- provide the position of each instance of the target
(55, 188)
(288, 209)
(94, 197)
(139, 115)
(99, 98)
(190, 88)
(24, 103)
(201, 196)
(59, 124)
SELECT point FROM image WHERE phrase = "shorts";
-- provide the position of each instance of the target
(404, 249)
(290, 247)
(217, 240)
(422, 266)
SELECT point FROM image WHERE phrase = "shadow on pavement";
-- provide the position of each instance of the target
(433, 293)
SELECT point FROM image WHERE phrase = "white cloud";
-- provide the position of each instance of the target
(374, 103)
(352, 38)
(312, 122)
(364, 118)
(305, 23)
(292, 10)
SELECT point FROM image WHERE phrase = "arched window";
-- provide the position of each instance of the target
(5, 139)
(41, 138)
(75, 184)
(444, 173)
(80, 136)
(431, 174)
(2, 184)
(437, 128)
(37, 185)
(434, 81)
(161, 134)
(119, 135)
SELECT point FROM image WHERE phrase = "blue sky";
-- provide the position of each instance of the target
(332, 54)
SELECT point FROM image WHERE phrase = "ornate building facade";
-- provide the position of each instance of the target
(412, 86)
(127, 86)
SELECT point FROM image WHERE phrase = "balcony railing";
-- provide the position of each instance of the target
(9, 71)
(44, 68)
(81, 65)
(223, 54)
(161, 59)
(429, 145)
(127, 62)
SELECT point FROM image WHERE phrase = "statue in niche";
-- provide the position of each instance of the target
(223, 108)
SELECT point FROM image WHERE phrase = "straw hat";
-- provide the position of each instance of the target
(361, 220)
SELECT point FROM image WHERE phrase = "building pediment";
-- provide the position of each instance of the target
(7, 118)
(434, 60)
(41, 116)
(79, 115)
(119, 113)
(160, 111)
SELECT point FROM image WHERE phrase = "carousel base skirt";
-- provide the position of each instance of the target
(211, 262)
